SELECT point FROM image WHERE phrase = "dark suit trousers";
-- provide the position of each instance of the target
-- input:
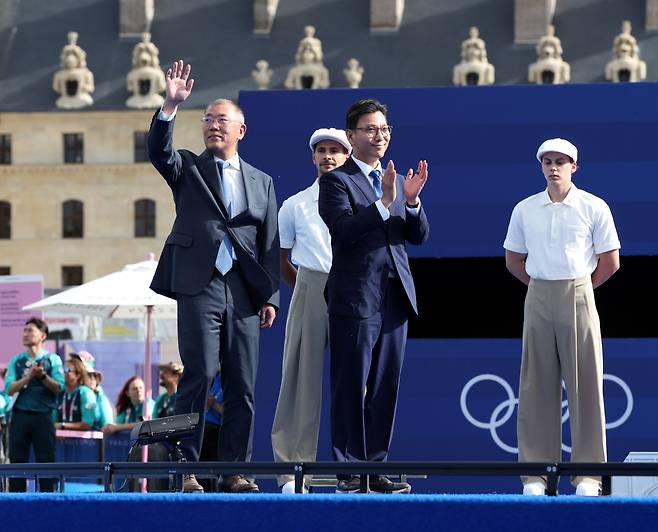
(366, 359)
(31, 428)
(219, 325)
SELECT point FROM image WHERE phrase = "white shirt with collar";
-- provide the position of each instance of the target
(232, 178)
(366, 169)
(302, 230)
(561, 239)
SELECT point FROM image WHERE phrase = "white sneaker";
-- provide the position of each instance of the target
(534, 488)
(289, 488)
(587, 488)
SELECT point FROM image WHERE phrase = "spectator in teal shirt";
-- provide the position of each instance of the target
(35, 377)
(104, 414)
(130, 406)
(104, 411)
(77, 403)
(169, 376)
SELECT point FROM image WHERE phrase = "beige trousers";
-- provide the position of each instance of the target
(561, 342)
(297, 418)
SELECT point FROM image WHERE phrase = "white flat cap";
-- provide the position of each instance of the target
(560, 146)
(330, 133)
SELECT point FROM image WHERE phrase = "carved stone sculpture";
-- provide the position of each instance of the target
(550, 68)
(146, 80)
(474, 68)
(74, 82)
(626, 64)
(309, 72)
(353, 73)
(262, 74)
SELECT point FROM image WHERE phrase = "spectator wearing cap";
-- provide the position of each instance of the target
(77, 402)
(129, 406)
(170, 374)
(305, 264)
(35, 377)
(104, 412)
(562, 243)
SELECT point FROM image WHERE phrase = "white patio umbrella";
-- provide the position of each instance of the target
(122, 294)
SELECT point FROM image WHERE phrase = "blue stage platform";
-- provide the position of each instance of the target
(324, 513)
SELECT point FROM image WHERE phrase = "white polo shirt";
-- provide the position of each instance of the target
(302, 230)
(561, 239)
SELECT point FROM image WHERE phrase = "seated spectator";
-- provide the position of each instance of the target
(130, 406)
(104, 414)
(104, 410)
(169, 376)
(77, 403)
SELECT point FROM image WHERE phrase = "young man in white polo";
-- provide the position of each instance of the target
(305, 241)
(562, 243)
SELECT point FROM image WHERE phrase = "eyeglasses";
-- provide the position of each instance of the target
(372, 131)
(222, 121)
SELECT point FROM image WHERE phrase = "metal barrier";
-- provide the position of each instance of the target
(106, 471)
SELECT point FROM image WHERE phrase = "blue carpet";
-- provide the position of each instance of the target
(324, 513)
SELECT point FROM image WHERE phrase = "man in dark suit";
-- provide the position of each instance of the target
(221, 263)
(370, 215)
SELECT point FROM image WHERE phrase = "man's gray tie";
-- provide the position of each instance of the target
(377, 182)
(224, 260)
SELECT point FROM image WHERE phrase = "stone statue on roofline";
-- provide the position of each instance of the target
(309, 72)
(353, 73)
(550, 68)
(262, 74)
(626, 65)
(74, 82)
(146, 80)
(474, 68)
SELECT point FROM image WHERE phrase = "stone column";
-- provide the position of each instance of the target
(652, 15)
(531, 17)
(264, 13)
(385, 15)
(135, 17)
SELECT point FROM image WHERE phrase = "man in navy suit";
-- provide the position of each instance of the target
(371, 214)
(221, 263)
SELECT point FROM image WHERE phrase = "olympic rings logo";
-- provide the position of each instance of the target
(504, 410)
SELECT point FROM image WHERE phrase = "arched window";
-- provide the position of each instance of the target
(5, 219)
(72, 219)
(144, 218)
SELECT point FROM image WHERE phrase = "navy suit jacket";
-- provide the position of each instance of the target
(364, 246)
(188, 259)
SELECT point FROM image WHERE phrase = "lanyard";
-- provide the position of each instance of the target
(74, 395)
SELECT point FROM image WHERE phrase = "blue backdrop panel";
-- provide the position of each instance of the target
(480, 143)
(458, 402)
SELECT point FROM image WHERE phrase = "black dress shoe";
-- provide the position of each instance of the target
(237, 484)
(350, 485)
(382, 484)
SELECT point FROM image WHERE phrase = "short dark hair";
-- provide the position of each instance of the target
(38, 323)
(360, 108)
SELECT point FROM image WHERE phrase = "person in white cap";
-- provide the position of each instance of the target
(304, 240)
(562, 243)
